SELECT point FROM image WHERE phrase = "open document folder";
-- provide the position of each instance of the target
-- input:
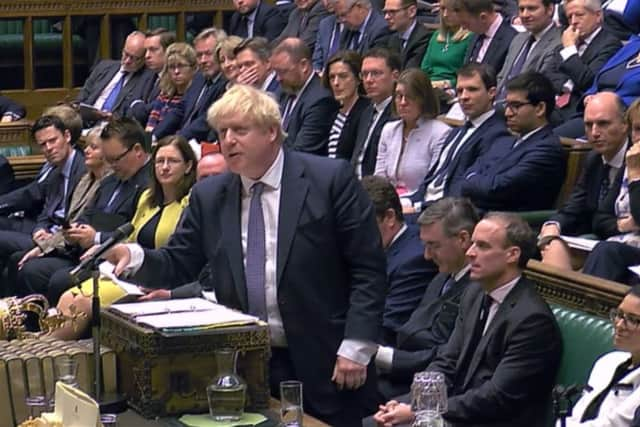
(184, 313)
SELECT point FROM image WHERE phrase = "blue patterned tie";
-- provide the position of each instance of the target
(256, 255)
(110, 102)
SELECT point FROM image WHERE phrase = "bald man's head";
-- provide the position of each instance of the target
(604, 123)
(211, 164)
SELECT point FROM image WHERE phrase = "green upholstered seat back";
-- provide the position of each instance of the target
(585, 338)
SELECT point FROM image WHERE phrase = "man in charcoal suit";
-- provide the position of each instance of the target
(256, 18)
(365, 27)
(445, 229)
(311, 265)
(409, 36)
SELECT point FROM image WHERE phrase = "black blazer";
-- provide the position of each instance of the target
(583, 69)
(141, 108)
(371, 155)
(349, 133)
(102, 75)
(308, 126)
(105, 217)
(605, 221)
(497, 51)
(55, 190)
(327, 241)
(428, 328)
(413, 52)
(511, 372)
(577, 215)
(268, 22)
(7, 178)
(502, 179)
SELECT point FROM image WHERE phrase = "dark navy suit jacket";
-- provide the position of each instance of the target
(497, 51)
(376, 34)
(8, 105)
(524, 178)
(140, 111)
(323, 42)
(408, 274)
(330, 264)
(268, 22)
(371, 154)
(189, 118)
(490, 132)
(576, 216)
(413, 52)
(309, 122)
(55, 190)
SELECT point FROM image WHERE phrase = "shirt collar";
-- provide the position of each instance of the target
(618, 159)
(528, 134)
(272, 178)
(66, 168)
(252, 16)
(398, 234)
(382, 105)
(464, 270)
(363, 27)
(493, 28)
(592, 36)
(268, 80)
(407, 33)
(478, 121)
(499, 294)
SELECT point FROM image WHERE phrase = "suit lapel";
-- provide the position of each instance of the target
(232, 236)
(293, 192)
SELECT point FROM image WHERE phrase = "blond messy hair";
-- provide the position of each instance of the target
(253, 105)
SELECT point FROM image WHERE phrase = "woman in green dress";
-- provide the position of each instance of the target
(446, 50)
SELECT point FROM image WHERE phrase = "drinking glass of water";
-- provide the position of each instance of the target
(291, 410)
(66, 371)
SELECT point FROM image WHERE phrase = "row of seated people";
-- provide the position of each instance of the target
(123, 147)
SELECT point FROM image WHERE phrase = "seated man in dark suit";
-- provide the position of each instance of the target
(408, 273)
(328, 38)
(607, 130)
(207, 86)
(54, 138)
(156, 43)
(586, 46)
(303, 22)
(501, 361)
(10, 110)
(476, 88)
(252, 60)
(492, 32)
(307, 106)
(256, 18)
(113, 85)
(313, 264)
(502, 179)
(365, 27)
(123, 147)
(380, 69)
(445, 228)
(409, 37)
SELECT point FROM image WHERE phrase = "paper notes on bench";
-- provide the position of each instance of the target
(580, 243)
(184, 313)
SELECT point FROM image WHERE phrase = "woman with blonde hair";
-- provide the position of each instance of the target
(179, 68)
(447, 48)
(226, 58)
(158, 212)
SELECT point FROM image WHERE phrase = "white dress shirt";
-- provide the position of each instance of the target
(488, 37)
(109, 87)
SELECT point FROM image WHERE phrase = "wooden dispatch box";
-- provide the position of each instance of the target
(167, 373)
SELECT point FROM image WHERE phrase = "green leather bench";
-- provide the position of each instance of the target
(585, 338)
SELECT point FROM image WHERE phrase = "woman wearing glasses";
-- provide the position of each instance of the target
(176, 76)
(159, 209)
(613, 391)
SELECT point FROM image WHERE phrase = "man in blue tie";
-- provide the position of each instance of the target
(113, 85)
(292, 238)
(365, 26)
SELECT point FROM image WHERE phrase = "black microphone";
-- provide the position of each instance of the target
(78, 274)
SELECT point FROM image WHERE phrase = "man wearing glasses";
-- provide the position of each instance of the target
(612, 394)
(123, 148)
(365, 27)
(502, 179)
(113, 85)
(409, 38)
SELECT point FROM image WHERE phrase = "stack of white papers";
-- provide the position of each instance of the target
(184, 313)
(580, 243)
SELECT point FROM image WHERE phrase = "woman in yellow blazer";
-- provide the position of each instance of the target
(157, 215)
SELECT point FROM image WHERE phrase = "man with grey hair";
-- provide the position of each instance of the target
(306, 105)
(206, 87)
(501, 360)
(113, 85)
(365, 26)
(445, 229)
(252, 59)
(585, 49)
